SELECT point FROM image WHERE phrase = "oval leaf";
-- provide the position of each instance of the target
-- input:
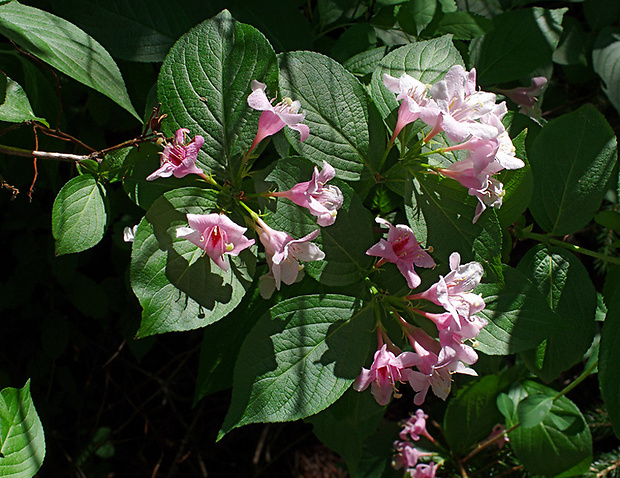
(179, 287)
(66, 48)
(572, 160)
(22, 443)
(533, 409)
(609, 354)
(606, 62)
(336, 107)
(79, 215)
(15, 107)
(204, 84)
(299, 359)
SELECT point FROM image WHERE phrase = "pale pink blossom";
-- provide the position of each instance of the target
(179, 158)
(414, 102)
(424, 470)
(403, 249)
(498, 436)
(461, 106)
(322, 200)
(415, 427)
(527, 97)
(385, 372)
(283, 252)
(217, 235)
(275, 117)
(129, 233)
(407, 456)
(454, 291)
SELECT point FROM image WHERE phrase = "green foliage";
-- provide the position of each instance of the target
(22, 443)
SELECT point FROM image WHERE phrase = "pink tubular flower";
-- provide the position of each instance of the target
(179, 158)
(283, 253)
(415, 427)
(424, 471)
(217, 235)
(460, 106)
(274, 118)
(385, 372)
(403, 249)
(322, 201)
(414, 100)
(526, 97)
(453, 292)
(407, 456)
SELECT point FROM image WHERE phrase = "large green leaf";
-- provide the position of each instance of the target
(440, 213)
(519, 316)
(180, 288)
(344, 243)
(15, 107)
(79, 215)
(299, 359)
(521, 41)
(427, 61)
(562, 442)
(204, 84)
(609, 354)
(336, 107)
(65, 47)
(606, 62)
(572, 160)
(22, 443)
(564, 282)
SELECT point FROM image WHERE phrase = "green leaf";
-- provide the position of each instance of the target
(204, 84)
(518, 314)
(606, 62)
(66, 48)
(572, 160)
(521, 41)
(344, 243)
(472, 413)
(365, 62)
(336, 107)
(564, 282)
(15, 107)
(427, 61)
(22, 443)
(505, 405)
(544, 449)
(413, 17)
(533, 409)
(179, 287)
(134, 30)
(440, 212)
(601, 13)
(299, 359)
(346, 424)
(463, 25)
(79, 215)
(609, 353)
(609, 219)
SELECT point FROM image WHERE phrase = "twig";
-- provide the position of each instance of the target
(13, 189)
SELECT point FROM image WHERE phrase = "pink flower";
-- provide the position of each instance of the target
(322, 201)
(460, 106)
(129, 233)
(498, 431)
(283, 253)
(453, 292)
(178, 158)
(217, 235)
(407, 456)
(386, 370)
(403, 249)
(274, 118)
(414, 100)
(415, 427)
(424, 471)
(527, 97)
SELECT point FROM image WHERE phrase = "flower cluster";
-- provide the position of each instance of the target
(435, 360)
(469, 118)
(407, 456)
(217, 235)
